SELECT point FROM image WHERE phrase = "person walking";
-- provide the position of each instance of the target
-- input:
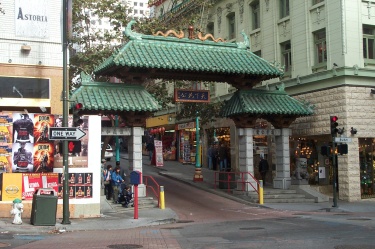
(116, 184)
(150, 148)
(107, 179)
(210, 154)
(263, 169)
(223, 157)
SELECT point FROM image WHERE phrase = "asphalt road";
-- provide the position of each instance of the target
(209, 221)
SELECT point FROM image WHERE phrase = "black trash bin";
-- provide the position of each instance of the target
(44, 207)
(227, 180)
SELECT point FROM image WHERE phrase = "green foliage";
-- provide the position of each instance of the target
(207, 112)
(91, 46)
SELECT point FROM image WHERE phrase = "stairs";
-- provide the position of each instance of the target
(276, 196)
(143, 203)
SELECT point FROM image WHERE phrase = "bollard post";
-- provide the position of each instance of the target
(260, 192)
(162, 203)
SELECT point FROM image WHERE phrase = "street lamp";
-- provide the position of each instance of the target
(198, 177)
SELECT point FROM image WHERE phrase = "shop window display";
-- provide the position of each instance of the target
(367, 163)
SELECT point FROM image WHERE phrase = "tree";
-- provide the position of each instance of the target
(91, 45)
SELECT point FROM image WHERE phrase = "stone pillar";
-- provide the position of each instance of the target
(349, 173)
(246, 157)
(282, 179)
(135, 155)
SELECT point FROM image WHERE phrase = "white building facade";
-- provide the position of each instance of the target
(327, 51)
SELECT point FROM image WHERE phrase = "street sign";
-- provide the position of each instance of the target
(343, 139)
(65, 133)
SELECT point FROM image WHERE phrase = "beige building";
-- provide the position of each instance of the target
(327, 51)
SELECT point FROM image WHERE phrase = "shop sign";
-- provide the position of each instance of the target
(190, 125)
(116, 131)
(158, 153)
(266, 132)
(183, 95)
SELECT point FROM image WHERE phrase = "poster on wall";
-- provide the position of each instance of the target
(22, 157)
(80, 185)
(5, 157)
(33, 181)
(43, 157)
(78, 152)
(23, 128)
(42, 122)
(6, 128)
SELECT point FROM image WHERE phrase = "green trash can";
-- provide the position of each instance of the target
(227, 180)
(44, 207)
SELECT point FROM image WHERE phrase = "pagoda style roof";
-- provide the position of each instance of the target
(113, 98)
(276, 107)
(162, 56)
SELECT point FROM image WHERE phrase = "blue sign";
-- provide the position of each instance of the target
(183, 95)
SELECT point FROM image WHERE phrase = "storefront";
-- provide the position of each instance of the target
(367, 163)
(186, 133)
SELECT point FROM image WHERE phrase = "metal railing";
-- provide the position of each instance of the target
(236, 178)
(150, 183)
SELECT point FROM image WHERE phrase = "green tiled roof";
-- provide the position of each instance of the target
(264, 102)
(172, 54)
(113, 97)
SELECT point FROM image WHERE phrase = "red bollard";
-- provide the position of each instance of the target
(136, 201)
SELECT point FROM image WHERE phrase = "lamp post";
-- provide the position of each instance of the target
(198, 177)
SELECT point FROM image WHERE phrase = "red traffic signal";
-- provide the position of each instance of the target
(333, 125)
(78, 106)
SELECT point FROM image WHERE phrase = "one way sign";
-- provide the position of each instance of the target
(65, 133)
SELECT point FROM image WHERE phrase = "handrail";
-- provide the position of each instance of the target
(228, 179)
(150, 179)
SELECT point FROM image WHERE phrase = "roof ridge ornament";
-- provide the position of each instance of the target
(170, 32)
(246, 43)
(85, 78)
(130, 33)
(281, 87)
(203, 38)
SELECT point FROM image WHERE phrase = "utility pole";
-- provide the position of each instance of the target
(65, 99)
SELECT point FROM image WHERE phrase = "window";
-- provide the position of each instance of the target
(231, 26)
(140, 4)
(255, 15)
(135, 4)
(210, 28)
(286, 53)
(320, 47)
(141, 12)
(317, 1)
(135, 11)
(368, 42)
(284, 8)
(258, 53)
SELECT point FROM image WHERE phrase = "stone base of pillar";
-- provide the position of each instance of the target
(198, 177)
(282, 183)
(141, 190)
(300, 182)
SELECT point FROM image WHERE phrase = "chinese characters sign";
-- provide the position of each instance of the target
(183, 95)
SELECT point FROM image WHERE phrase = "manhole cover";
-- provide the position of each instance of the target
(172, 228)
(360, 219)
(342, 214)
(184, 221)
(4, 244)
(301, 214)
(251, 228)
(125, 246)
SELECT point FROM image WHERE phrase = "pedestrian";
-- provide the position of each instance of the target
(122, 170)
(263, 168)
(107, 177)
(210, 154)
(223, 157)
(150, 148)
(116, 183)
(215, 157)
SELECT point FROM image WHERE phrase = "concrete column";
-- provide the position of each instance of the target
(246, 157)
(282, 179)
(135, 155)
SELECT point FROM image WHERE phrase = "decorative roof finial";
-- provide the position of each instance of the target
(129, 32)
(191, 32)
(246, 43)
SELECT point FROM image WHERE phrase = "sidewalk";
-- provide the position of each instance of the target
(154, 216)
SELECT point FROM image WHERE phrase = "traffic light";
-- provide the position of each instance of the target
(74, 147)
(77, 121)
(333, 125)
(342, 149)
(325, 150)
